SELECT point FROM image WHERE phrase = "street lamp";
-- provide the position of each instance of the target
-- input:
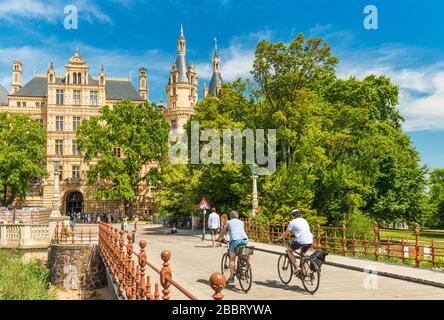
(255, 201)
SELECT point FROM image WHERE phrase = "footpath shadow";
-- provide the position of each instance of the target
(228, 286)
(279, 285)
(162, 231)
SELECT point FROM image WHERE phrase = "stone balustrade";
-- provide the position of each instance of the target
(24, 236)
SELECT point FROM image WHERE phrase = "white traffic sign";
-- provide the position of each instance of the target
(203, 205)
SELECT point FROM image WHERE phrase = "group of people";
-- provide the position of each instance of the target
(235, 230)
(79, 217)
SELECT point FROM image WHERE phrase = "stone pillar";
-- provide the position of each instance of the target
(55, 213)
(2, 235)
(56, 192)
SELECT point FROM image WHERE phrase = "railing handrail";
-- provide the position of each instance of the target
(131, 277)
(174, 283)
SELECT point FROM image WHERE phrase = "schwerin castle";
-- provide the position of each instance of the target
(60, 102)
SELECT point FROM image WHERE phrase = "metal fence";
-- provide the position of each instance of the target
(413, 247)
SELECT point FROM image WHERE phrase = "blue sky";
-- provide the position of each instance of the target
(127, 34)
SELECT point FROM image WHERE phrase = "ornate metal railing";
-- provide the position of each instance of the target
(128, 269)
(413, 247)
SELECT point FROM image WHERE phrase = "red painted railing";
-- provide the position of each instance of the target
(129, 274)
(412, 247)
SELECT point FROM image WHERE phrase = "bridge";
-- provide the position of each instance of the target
(161, 265)
(192, 261)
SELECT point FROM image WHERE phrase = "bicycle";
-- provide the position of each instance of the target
(243, 268)
(309, 272)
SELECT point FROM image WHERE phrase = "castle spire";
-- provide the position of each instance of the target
(181, 42)
(216, 60)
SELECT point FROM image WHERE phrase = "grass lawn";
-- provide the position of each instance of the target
(23, 280)
(410, 235)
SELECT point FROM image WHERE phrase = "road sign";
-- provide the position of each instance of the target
(203, 205)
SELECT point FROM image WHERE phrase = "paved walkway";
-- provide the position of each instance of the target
(194, 260)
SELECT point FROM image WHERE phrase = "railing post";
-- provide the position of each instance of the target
(129, 258)
(217, 283)
(417, 260)
(148, 294)
(156, 291)
(433, 253)
(165, 274)
(344, 239)
(142, 265)
(376, 240)
(318, 240)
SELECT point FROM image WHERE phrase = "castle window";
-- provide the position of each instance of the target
(74, 77)
(76, 97)
(75, 123)
(75, 148)
(173, 126)
(93, 98)
(24, 104)
(37, 104)
(59, 147)
(76, 171)
(19, 104)
(42, 104)
(79, 78)
(59, 97)
(59, 123)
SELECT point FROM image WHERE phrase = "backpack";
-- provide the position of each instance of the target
(318, 258)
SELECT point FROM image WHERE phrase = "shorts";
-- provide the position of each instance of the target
(304, 247)
(235, 243)
(214, 231)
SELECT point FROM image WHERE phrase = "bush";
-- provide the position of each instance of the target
(23, 281)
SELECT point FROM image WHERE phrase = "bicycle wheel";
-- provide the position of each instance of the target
(285, 268)
(225, 265)
(245, 277)
(310, 276)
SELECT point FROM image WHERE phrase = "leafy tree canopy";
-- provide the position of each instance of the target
(22, 155)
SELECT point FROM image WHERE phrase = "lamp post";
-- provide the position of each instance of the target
(255, 201)
(56, 192)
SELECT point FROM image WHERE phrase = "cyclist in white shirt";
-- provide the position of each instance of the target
(303, 236)
(213, 225)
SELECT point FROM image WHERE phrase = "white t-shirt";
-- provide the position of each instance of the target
(213, 221)
(301, 229)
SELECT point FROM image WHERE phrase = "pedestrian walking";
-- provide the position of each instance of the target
(213, 225)
(136, 219)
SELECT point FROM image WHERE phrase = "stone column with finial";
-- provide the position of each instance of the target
(56, 216)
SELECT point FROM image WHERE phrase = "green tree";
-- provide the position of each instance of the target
(437, 196)
(176, 196)
(22, 155)
(140, 132)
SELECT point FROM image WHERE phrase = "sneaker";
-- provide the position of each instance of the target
(230, 280)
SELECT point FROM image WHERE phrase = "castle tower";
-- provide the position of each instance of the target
(143, 86)
(181, 89)
(50, 74)
(77, 72)
(16, 76)
(216, 79)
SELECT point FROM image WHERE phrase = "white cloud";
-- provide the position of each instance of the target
(49, 10)
(421, 85)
